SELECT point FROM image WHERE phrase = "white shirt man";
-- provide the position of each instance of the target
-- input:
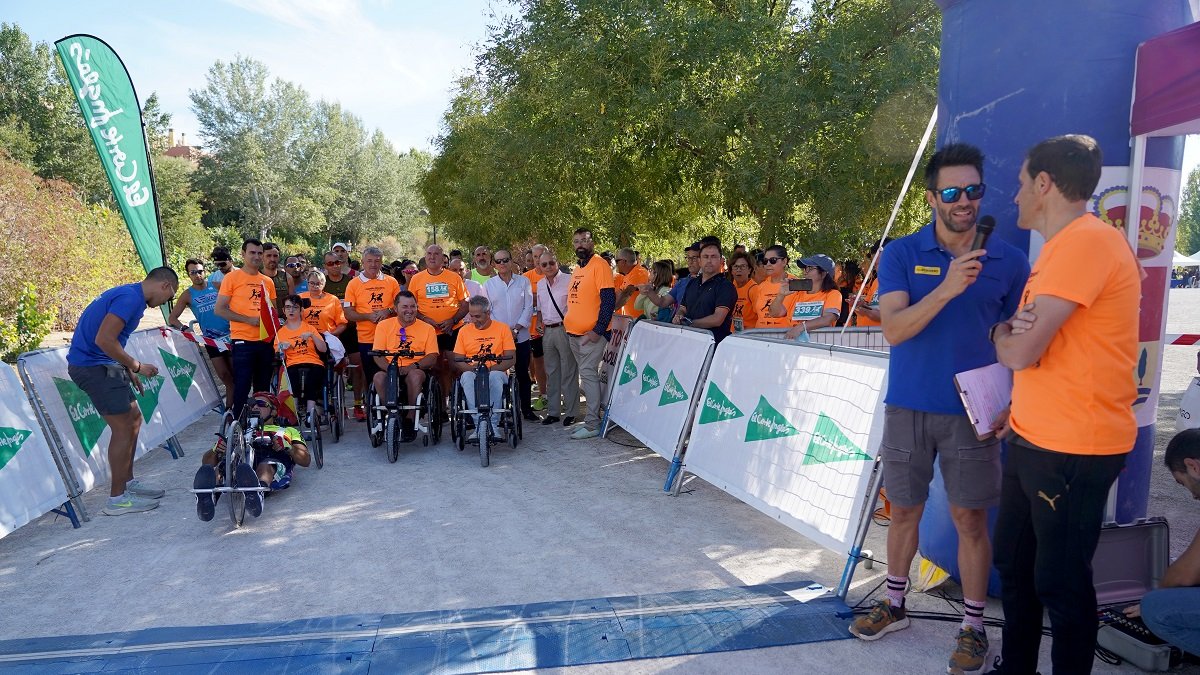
(562, 371)
(512, 304)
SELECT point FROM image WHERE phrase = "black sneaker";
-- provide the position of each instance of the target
(549, 420)
(998, 668)
(244, 478)
(529, 416)
(408, 435)
(206, 479)
(568, 421)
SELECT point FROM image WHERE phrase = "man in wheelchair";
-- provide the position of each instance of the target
(401, 333)
(483, 336)
(277, 450)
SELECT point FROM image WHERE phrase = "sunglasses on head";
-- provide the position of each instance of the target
(951, 194)
(772, 260)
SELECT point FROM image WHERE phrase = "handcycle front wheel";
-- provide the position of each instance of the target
(484, 429)
(235, 454)
(391, 437)
(336, 392)
(375, 423)
(313, 438)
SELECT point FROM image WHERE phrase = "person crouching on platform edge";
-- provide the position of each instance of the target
(277, 450)
(1072, 424)
(938, 299)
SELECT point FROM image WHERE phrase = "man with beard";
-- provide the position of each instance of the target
(591, 301)
(272, 269)
(938, 301)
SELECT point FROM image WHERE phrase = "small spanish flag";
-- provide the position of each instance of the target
(287, 401)
(268, 320)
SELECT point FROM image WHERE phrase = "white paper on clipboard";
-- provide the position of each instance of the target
(985, 393)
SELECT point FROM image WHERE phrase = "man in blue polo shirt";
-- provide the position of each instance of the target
(98, 363)
(710, 297)
(937, 300)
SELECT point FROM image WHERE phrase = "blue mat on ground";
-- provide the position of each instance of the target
(540, 635)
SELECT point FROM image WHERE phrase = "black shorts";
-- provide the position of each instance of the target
(535, 348)
(313, 388)
(214, 353)
(446, 341)
(349, 338)
(108, 386)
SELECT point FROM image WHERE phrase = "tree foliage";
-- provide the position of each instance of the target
(648, 120)
(280, 166)
(1187, 239)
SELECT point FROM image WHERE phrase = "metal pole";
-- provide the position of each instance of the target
(65, 470)
(675, 474)
(864, 523)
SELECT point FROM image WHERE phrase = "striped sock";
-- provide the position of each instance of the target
(973, 614)
(895, 590)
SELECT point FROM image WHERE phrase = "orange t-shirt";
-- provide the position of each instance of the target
(535, 328)
(637, 276)
(761, 296)
(302, 350)
(870, 299)
(419, 337)
(438, 296)
(245, 291)
(496, 339)
(810, 306)
(371, 295)
(1078, 398)
(745, 314)
(583, 298)
(324, 314)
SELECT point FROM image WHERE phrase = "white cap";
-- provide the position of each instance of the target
(344, 246)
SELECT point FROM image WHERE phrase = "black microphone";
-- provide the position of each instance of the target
(983, 230)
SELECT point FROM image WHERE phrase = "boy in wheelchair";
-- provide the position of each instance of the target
(404, 332)
(483, 336)
(277, 450)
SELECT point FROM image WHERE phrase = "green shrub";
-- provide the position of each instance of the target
(23, 326)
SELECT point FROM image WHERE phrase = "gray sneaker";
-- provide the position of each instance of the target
(139, 489)
(127, 503)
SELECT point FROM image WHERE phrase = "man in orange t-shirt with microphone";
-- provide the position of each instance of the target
(1073, 349)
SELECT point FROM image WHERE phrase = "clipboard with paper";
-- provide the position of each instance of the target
(985, 393)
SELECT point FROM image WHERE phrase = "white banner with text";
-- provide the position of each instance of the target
(656, 382)
(792, 429)
(180, 394)
(30, 483)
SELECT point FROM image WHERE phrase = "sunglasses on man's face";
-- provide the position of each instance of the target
(259, 403)
(221, 263)
(547, 264)
(974, 193)
(197, 271)
(332, 263)
(503, 261)
(295, 266)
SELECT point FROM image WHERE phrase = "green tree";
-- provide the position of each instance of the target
(179, 205)
(1187, 239)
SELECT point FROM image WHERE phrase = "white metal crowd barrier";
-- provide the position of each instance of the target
(180, 394)
(31, 482)
(866, 337)
(657, 378)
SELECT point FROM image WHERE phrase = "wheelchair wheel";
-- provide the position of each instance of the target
(336, 392)
(458, 419)
(375, 422)
(391, 436)
(484, 429)
(235, 454)
(315, 447)
(433, 411)
(514, 427)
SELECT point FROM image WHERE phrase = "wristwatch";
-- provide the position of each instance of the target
(992, 331)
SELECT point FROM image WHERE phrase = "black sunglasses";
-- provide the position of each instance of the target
(295, 265)
(951, 194)
(199, 271)
(221, 263)
(773, 260)
(502, 261)
(259, 403)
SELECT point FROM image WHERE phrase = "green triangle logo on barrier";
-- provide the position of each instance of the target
(766, 423)
(11, 441)
(649, 378)
(672, 391)
(718, 407)
(181, 370)
(148, 399)
(629, 371)
(830, 444)
(88, 423)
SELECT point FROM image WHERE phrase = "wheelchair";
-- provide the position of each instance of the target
(237, 443)
(310, 429)
(508, 407)
(384, 413)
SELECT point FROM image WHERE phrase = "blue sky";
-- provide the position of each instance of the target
(390, 62)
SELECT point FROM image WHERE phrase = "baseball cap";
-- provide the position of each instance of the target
(344, 246)
(818, 260)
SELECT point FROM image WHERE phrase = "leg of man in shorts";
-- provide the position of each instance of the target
(111, 392)
(222, 365)
(912, 440)
(357, 381)
(445, 359)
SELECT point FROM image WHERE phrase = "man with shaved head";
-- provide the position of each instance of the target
(629, 276)
(441, 303)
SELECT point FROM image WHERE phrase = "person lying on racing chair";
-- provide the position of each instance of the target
(482, 335)
(277, 450)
